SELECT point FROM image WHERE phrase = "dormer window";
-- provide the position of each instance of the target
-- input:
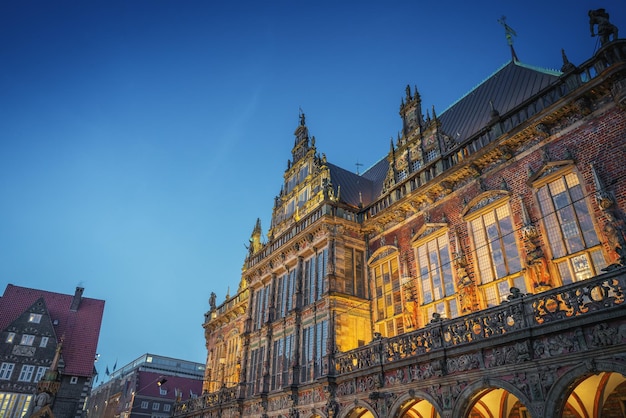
(34, 318)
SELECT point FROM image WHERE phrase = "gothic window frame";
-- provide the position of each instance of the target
(568, 263)
(354, 283)
(388, 318)
(314, 346)
(282, 358)
(315, 270)
(495, 268)
(446, 303)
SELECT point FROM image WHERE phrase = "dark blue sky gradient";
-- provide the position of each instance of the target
(140, 140)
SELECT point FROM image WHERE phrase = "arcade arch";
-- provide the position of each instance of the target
(417, 408)
(599, 395)
(496, 402)
(360, 412)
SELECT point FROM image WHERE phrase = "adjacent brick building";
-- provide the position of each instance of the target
(48, 347)
(477, 270)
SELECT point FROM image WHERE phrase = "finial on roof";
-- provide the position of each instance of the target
(509, 33)
(494, 112)
(434, 114)
(301, 114)
(567, 66)
(255, 237)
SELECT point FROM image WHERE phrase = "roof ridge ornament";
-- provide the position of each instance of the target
(509, 33)
(606, 29)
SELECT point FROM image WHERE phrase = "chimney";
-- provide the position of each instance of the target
(78, 295)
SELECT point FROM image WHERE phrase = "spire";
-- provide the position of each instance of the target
(255, 238)
(301, 143)
(567, 66)
(509, 33)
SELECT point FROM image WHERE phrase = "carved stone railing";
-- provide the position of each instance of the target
(296, 230)
(360, 358)
(208, 400)
(603, 293)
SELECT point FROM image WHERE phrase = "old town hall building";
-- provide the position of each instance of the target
(477, 270)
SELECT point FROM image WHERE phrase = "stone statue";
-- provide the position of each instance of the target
(212, 301)
(606, 29)
(41, 400)
(615, 231)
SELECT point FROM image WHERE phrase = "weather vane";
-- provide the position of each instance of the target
(509, 33)
(358, 165)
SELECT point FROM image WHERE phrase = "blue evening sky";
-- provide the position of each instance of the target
(140, 140)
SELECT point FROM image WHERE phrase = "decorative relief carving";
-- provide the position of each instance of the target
(603, 335)
(556, 345)
(23, 350)
(508, 355)
(463, 363)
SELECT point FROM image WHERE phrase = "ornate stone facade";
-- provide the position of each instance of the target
(466, 275)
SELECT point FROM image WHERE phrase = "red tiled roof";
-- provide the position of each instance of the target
(80, 329)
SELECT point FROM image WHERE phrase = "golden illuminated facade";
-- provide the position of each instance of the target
(477, 270)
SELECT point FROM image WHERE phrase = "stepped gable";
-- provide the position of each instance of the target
(80, 328)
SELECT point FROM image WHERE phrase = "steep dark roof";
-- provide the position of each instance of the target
(507, 88)
(80, 328)
(376, 174)
(351, 185)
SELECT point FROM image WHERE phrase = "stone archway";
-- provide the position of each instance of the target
(418, 408)
(415, 405)
(360, 412)
(497, 402)
(594, 387)
(597, 395)
(492, 398)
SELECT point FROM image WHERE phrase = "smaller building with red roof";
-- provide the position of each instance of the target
(48, 345)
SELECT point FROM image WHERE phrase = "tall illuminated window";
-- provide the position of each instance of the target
(354, 281)
(281, 362)
(438, 294)
(285, 288)
(497, 256)
(573, 241)
(232, 352)
(261, 306)
(387, 293)
(314, 348)
(255, 370)
(314, 277)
